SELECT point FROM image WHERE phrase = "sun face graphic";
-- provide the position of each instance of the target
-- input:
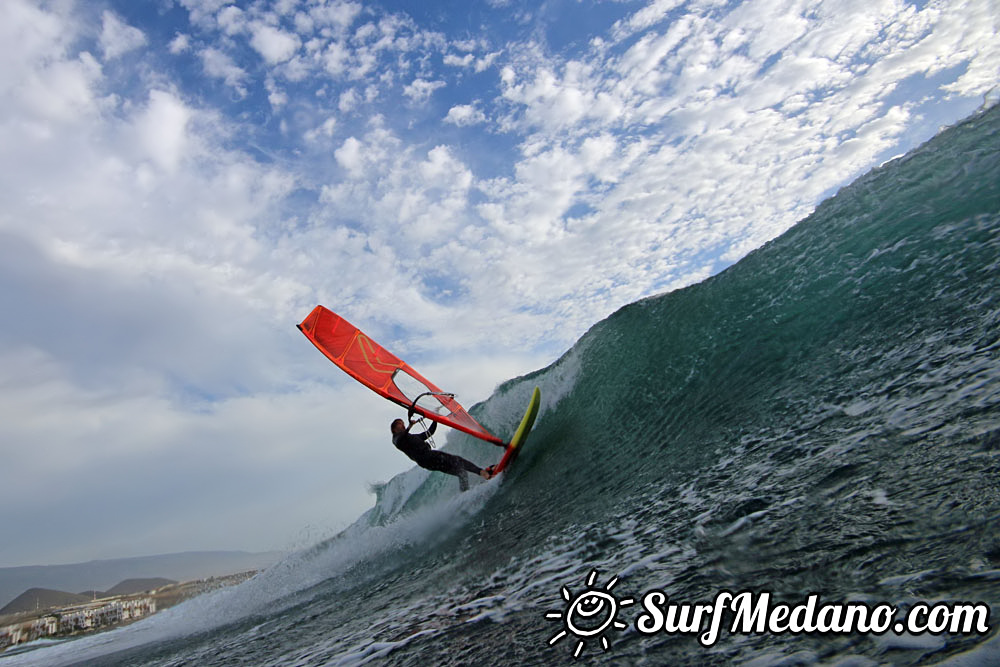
(589, 613)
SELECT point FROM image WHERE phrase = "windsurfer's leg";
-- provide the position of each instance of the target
(462, 467)
(452, 465)
(468, 465)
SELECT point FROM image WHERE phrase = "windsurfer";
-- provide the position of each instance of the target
(416, 447)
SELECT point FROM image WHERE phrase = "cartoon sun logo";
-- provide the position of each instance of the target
(589, 613)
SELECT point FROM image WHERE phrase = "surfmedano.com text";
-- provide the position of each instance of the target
(750, 613)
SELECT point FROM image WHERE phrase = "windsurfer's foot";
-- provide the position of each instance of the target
(486, 473)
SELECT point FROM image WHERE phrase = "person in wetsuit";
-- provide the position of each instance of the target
(416, 447)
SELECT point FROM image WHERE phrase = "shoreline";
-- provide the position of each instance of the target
(69, 622)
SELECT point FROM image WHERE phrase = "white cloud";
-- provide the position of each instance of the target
(553, 102)
(232, 20)
(470, 61)
(41, 79)
(274, 45)
(205, 13)
(304, 23)
(254, 441)
(464, 115)
(219, 65)
(349, 99)
(420, 90)
(118, 38)
(63, 90)
(418, 201)
(28, 34)
(443, 170)
(459, 61)
(275, 95)
(326, 129)
(179, 44)
(285, 7)
(336, 58)
(647, 17)
(162, 129)
(484, 63)
(335, 14)
(350, 157)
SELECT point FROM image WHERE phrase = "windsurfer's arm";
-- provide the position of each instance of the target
(413, 420)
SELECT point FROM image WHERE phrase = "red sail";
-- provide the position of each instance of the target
(384, 373)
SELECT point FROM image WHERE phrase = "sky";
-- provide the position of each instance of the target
(473, 184)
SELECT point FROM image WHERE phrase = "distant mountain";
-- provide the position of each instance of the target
(130, 586)
(101, 575)
(42, 598)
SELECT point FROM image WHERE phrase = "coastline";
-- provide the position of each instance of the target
(106, 613)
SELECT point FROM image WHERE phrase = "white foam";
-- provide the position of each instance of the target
(503, 411)
(987, 653)
(910, 642)
(365, 654)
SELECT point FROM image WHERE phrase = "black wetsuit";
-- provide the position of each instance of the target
(415, 446)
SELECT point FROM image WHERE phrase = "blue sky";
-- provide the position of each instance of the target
(474, 184)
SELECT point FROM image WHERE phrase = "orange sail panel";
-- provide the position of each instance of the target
(384, 373)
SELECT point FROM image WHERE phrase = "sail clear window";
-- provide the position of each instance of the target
(414, 389)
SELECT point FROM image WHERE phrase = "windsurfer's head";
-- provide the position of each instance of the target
(397, 425)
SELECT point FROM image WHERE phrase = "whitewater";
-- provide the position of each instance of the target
(823, 417)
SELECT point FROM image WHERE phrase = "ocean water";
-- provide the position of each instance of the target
(821, 418)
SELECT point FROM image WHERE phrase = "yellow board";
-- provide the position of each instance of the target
(514, 448)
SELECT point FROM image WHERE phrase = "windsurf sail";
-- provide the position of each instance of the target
(386, 374)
